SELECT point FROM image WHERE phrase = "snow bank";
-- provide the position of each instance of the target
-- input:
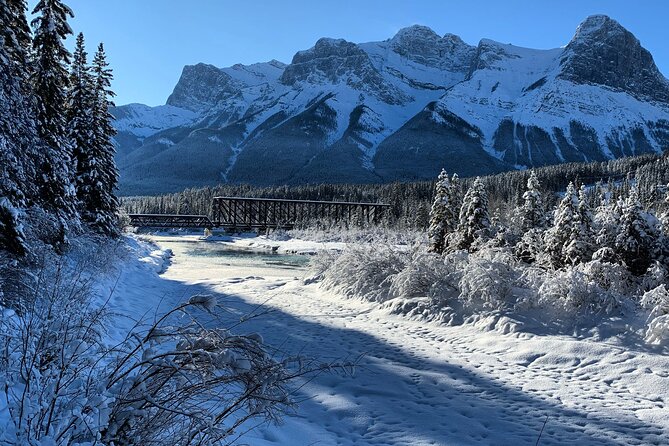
(494, 290)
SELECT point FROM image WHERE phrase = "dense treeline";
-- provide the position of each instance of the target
(411, 201)
(607, 223)
(57, 171)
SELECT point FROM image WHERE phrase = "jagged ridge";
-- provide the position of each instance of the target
(401, 109)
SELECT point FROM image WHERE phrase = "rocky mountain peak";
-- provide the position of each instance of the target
(487, 55)
(603, 52)
(415, 33)
(337, 61)
(201, 87)
(422, 45)
(595, 25)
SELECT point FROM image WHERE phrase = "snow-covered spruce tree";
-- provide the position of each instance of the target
(637, 239)
(49, 79)
(607, 221)
(442, 215)
(558, 237)
(581, 246)
(532, 221)
(455, 197)
(97, 173)
(532, 212)
(80, 110)
(664, 218)
(16, 32)
(17, 136)
(474, 223)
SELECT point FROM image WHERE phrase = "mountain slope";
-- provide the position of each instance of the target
(401, 109)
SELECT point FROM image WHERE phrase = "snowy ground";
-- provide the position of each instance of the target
(417, 383)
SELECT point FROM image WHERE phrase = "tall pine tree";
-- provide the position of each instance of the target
(531, 222)
(558, 237)
(80, 102)
(442, 214)
(637, 240)
(17, 136)
(49, 82)
(98, 176)
(474, 223)
(532, 211)
(580, 246)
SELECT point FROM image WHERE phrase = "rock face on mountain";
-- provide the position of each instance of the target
(397, 110)
(604, 53)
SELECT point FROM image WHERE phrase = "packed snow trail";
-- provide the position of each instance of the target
(418, 383)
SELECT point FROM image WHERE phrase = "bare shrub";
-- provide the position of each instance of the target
(174, 381)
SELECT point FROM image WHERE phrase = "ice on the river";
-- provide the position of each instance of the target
(418, 383)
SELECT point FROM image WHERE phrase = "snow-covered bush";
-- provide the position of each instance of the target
(612, 278)
(49, 341)
(487, 280)
(425, 274)
(656, 301)
(589, 288)
(655, 276)
(365, 271)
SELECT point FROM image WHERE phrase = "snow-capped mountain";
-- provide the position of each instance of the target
(400, 109)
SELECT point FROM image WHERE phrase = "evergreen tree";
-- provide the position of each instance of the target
(17, 137)
(531, 222)
(422, 217)
(664, 218)
(455, 198)
(80, 111)
(16, 32)
(98, 173)
(49, 82)
(580, 247)
(439, 214)
(637, 239)
(532, 212)
(558, 237)
(474, 223)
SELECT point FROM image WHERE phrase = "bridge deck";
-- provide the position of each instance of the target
(170, 221)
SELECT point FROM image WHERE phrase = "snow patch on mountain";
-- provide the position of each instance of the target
(143, 121)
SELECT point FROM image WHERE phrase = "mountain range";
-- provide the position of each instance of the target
(399, 110)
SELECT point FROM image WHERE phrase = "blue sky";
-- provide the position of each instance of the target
(149, 41)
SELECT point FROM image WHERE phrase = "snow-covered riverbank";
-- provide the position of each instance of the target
(417, 383)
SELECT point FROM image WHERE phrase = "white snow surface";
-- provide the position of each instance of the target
(418, 383)
(144, 121)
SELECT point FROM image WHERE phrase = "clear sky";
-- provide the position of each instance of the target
(149, 41)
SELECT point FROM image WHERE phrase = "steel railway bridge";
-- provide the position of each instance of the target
(238, 213)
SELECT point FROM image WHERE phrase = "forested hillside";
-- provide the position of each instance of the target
(411, 201)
